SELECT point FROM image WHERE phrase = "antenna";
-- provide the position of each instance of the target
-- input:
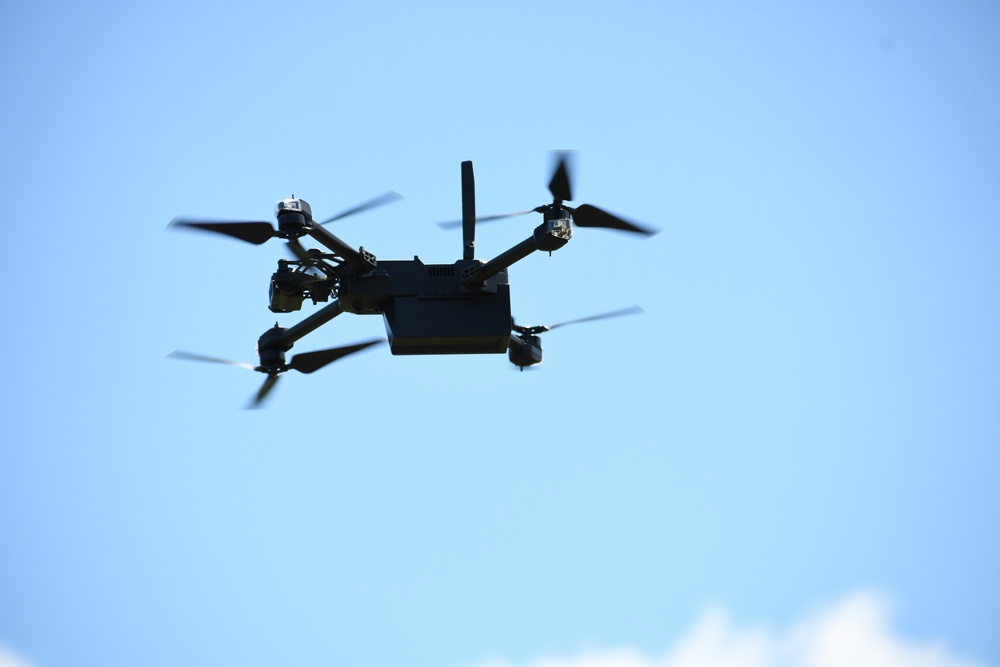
(468, 212)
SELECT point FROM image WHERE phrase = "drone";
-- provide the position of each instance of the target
(428, 309)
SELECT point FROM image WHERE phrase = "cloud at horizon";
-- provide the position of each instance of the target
(854, 632)
(10, 659)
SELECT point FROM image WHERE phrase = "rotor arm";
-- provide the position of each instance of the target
(478, 274)
(290, 335)
(552, 234)
(359, 259)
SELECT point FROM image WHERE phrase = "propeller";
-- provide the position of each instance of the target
(455, 224)
(258, 232)
(381, 200)
(535, 330)
(307, 362)
(190, 356)
(524, 349)
(559, 185)
(585, 215)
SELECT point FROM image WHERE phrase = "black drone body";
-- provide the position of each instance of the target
(459, 308)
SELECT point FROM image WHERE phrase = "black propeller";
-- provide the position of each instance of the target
(258, 232)
(524, 348)
(307, 362)
(585, 215)
(251, 232)
(559, 186)
(190, 356)
(381, 200)
(535, 330)
(455, 224)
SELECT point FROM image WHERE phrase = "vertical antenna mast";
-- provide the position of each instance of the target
(468, 212)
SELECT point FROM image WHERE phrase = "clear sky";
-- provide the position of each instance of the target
(791, 459)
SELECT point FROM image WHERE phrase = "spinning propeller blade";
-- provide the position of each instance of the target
(251, 232)
(309, 362)
(541, 328)
(181, 354)
(381, 200)
(306, 362)
(631, 310)
(559, 186)
(454, 224)
(524, 349)
(258, 232)
(584, 215)
(265, 389)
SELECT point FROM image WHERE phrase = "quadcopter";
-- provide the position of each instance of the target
(458, 308)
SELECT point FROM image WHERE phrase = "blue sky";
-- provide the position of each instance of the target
(791, 458)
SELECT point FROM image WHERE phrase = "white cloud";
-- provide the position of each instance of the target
(853, 633)
(9, 659)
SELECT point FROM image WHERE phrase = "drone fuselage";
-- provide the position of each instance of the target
(458, 308)
(429, 309)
